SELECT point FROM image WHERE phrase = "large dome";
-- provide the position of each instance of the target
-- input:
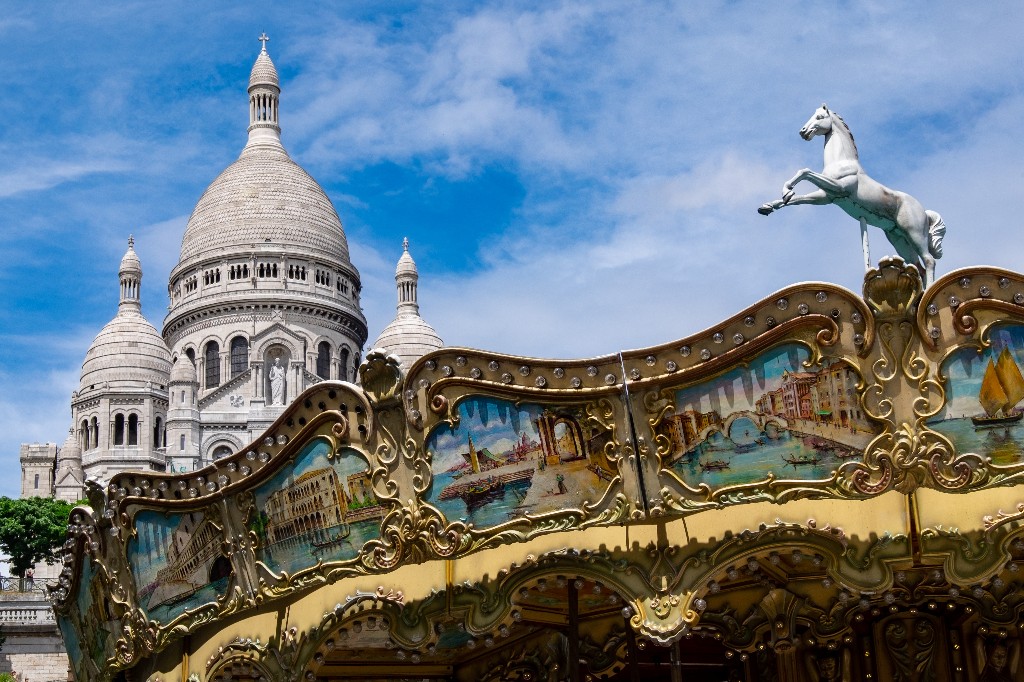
(264, 196)
(128, 352)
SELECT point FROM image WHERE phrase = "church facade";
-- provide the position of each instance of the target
(264, 303)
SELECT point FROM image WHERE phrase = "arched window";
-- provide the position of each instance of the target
(133, 429)
(95, 433)
(191, 353)
(323, 360)
(212, 359)
(343, 370)
(37, 482)
(119, 430)
(221, 451)
(157, 430)
(181, 444)
(86, 440)
(239, 355)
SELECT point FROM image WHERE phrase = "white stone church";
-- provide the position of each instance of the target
(264, 302)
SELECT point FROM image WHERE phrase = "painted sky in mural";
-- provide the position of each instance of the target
(965, 370)
(984, 392)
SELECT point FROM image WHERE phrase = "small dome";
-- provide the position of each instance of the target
(70, 451)
(128, 352)
(409, 337)
(183, 371)
(130, 263)
(264, 72)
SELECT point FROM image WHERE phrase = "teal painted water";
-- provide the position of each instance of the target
(753, 458)
(297, 553)
(1004, 444)
(491, 513)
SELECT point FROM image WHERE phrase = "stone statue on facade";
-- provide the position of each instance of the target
(276, 376)
(914, 232)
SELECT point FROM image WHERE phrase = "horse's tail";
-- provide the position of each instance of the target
(936, 231)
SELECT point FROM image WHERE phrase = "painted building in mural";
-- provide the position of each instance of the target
(263, 304)
(314, 503)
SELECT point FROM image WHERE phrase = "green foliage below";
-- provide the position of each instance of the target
(7, 677)
(31, 530)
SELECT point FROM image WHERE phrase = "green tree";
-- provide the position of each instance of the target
(31, 530)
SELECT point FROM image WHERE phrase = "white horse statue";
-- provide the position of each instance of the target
(914, 232)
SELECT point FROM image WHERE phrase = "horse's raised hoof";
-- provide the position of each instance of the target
(765, 209)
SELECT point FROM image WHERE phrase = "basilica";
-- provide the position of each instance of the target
(264, 303)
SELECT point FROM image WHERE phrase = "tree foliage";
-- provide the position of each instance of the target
(31, 530)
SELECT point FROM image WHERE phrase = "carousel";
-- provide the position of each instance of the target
(820, 487)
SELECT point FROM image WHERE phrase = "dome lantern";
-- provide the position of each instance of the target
(406, 279)
(130, 275)
(264, 92)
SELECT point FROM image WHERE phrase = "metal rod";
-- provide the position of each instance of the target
(864, 244)
(675, 656)
(634, 668)
(574, 633)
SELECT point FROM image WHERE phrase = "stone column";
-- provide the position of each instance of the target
(257, 378)
(296, 384)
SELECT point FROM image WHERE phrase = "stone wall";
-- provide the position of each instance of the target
(34, 649)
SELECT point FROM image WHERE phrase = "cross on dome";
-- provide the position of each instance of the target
(264, 38)
(405, 243)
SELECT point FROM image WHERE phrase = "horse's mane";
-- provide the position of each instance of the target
(837, 117)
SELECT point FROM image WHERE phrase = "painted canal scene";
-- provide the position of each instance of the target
(773, 416)
(177, 562)
(504, 460)
(983, 414)
(319, 509)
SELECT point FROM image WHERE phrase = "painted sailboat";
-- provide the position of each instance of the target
(1001, 389)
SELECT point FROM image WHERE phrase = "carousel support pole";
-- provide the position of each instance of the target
(634, 668)
(676, 663)
(574, 632)
(864, 244)
(186, 645)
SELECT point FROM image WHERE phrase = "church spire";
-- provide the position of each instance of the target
(264, 92)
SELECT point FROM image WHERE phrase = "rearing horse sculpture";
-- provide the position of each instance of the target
(916, 233)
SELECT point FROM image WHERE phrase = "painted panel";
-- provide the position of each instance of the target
(503, 460)
(321, 508)
(984, 390)
(89, 625)
(177, 562)
(772, 416)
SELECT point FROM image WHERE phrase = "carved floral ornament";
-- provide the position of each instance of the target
(813, 392)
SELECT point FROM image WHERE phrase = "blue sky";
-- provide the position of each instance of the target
(575, 177)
